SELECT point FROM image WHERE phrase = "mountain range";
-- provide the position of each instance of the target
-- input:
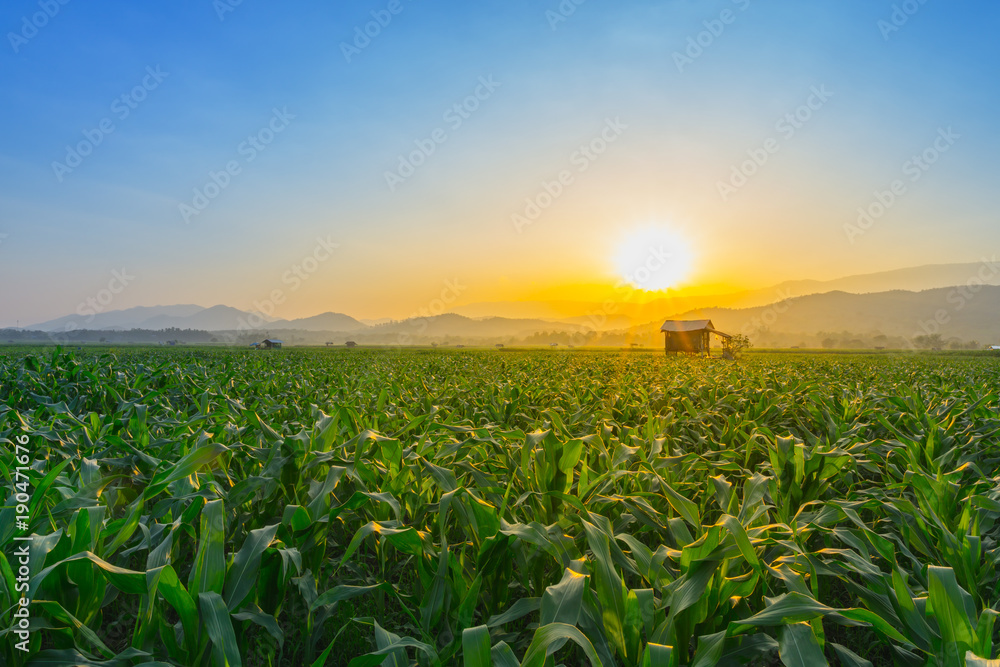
(216, 318)
(957, 301)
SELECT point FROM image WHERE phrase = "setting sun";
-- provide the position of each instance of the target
(654, 258)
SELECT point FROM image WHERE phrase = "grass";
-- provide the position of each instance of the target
(204, 506)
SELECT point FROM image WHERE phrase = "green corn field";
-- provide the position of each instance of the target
(211, 507)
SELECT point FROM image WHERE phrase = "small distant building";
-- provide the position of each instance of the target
(691, 336)
(270, 344)
(499, 346)
(995, 347)
(553, 344)
(351, 343)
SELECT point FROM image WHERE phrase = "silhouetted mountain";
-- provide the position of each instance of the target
(216, 318)
(323, 322)
(968, 312)
(912, 279)
(450, 324)
(130, 318)
(965, 312)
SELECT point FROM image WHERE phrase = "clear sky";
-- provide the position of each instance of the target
(227, 152)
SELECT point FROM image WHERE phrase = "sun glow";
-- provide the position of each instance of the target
(654, 258)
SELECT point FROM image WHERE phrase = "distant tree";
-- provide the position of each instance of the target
(734, 346)
(930, 341)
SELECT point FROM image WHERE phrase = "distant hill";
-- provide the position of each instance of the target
(130, 318)
(322, 322)
(951, 311)
(225, 318)
(216, 318)
(912, 279)
(963, 313)
(450, 324)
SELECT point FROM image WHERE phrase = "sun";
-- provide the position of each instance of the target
(654, 258)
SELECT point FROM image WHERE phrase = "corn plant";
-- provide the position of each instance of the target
(203, 507)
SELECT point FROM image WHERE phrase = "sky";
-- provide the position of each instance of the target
(377, 156)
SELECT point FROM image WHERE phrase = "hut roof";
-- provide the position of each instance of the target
(692, 325)
(687, 325)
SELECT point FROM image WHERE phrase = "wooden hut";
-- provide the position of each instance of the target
(692, 336)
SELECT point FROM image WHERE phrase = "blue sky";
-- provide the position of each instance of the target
(555, 84)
